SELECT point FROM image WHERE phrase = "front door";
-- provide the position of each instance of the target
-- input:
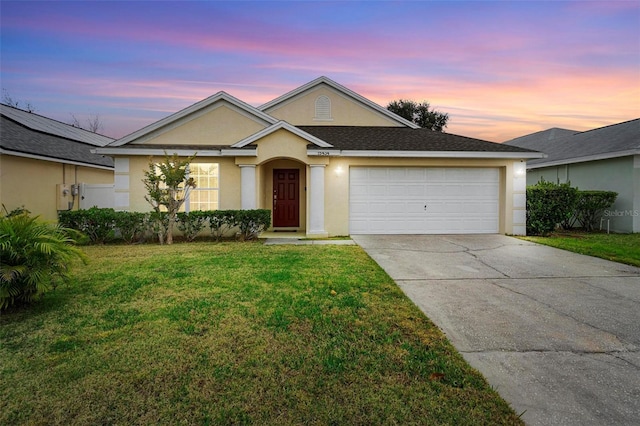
(286, 198)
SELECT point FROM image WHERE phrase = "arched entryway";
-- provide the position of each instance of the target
(284, 192)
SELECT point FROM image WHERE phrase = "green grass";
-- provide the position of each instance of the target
(233, 333)
(623, 248)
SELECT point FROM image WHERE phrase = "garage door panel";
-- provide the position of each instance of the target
(416, 191)
(390, 200)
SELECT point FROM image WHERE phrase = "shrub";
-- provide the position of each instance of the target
(96, 223)
(549, 204)
(222, 221)
(252, 222)
(192, 223)
(34, 257)
(131, 225)
(590, 205)
(101, 225)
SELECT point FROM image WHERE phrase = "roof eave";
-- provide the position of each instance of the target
(278, 126)
(422, 154)
(52, 159)
(181, 152)
(585, 159)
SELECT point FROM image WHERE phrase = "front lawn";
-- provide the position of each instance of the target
(623, 248)
(234, 333)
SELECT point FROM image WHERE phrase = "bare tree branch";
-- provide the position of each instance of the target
(92, 124)
(8, 100)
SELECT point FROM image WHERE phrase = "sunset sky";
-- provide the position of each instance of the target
(499, 69)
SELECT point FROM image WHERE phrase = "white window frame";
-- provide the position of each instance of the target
(187, 203)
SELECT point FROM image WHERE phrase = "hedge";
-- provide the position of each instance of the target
(550, 204)
(101, 225)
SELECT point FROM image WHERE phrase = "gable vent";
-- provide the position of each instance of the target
(323, 108)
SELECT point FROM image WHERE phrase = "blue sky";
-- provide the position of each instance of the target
(500, 69)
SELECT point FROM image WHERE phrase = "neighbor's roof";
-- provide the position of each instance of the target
(403, 139)
(540, 139)
(617, 140)
(47, 125)
(16, 139)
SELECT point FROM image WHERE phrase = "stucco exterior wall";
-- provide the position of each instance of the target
(621, 175)
(285, 150)
(222, 125)
(301, 111)
(32, 183)
(130, 190)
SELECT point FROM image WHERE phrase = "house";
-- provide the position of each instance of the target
(606, 158)
(327, 161)
(46, 165)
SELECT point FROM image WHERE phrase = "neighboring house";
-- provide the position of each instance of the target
(606, 158)
(327, 162)
(46, 165)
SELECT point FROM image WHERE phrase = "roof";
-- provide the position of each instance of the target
(296, 130)
(352, 141)
(340, 88)
(402, 139)
(539, 139)
(195, 111)
(17, 139)
(612, 141)
(47, 125)
(408, 140)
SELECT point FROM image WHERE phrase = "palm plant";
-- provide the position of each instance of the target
(34, 257)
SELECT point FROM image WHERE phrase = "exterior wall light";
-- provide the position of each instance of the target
(519, 169)
(339, 171)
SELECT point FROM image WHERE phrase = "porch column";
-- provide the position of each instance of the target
(248, 186)
(316, 201)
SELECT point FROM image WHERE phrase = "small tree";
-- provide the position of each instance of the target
(168, 186)
(420, 114)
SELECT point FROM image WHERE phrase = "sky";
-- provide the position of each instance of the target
(500, 69)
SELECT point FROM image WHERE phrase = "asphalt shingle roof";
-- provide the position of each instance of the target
(617, 138)
(47, 125)
(402, 139)
(18, 138)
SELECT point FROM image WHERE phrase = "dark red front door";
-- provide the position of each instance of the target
(286, 198)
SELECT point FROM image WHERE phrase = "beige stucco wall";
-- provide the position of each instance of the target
(345, 111)
(130, 190)
(285, 150)
(32, 183)
(221, 125)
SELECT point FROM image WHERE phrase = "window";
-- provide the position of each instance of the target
(205, 195)
(323, 108)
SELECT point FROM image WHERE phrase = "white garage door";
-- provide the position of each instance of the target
(423, 200)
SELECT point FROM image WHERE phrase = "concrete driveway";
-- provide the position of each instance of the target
(557, 334)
